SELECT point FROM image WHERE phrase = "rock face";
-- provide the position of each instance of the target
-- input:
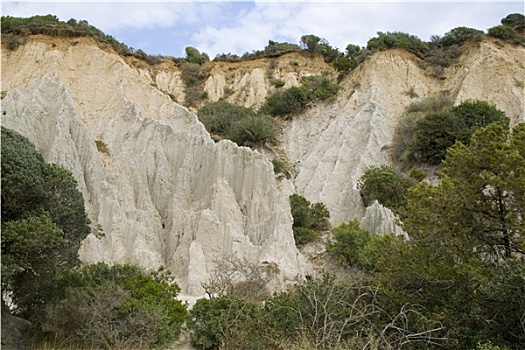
(331, 146)
(159, 191)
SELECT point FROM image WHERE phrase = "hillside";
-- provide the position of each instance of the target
(159, 191)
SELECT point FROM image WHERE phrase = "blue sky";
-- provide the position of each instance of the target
(214, 27)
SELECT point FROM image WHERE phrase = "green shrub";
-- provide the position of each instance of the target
(390, 40)
(318, 88)
(308, 219)
(212, 322)
(350, 242)
(386, 185)
(429, 128)
(431, 103)
(281, 167)
(52, 26)
(503, 32)
(194, 76)
(278, 82)
(253, 130)
(116, 307)
(294, 99)
(407, 126)
(434, 134)
(285, 102)
(194, 56)
(303, 235)
(512, 29)
(477, 114)
(460, 35)
(239, 124)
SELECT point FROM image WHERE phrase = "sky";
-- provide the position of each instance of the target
(215, 27)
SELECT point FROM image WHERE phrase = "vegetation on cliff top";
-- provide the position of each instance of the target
(440, 51)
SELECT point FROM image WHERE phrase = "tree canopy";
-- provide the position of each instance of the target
(43, 222)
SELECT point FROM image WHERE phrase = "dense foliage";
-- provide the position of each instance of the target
(116, 307)
(512, 29)
(16, 29)
(43, 223)
(390, 40)
(386, 185)
(308, 219)
(458, 282)
(215, 323)
(429, 128)
(294, 99)
(240, 124)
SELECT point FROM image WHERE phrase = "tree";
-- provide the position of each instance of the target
(194, 56)
(460, 231)
(65, 204)
(515, 20)
(22, 175)
(311, 42)
(487, 181)
(43, 215)
(481, 196)
(30, 260)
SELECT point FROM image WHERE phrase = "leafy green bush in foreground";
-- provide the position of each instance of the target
(116, 307)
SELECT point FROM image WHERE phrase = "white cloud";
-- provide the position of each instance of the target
(237, 27)
(342, 23)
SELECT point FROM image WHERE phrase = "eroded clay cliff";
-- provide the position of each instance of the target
(157, 189)
(160, 191)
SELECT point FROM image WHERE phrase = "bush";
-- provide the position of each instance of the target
(503, 32)
(386, 185)
(212, 322)
(308, 219)
(294, 99)
(512, 29)
(350, 243)
(390, 40)
(460, 35)
(285, 102)
(194, 76)
(318, 88)
(431, 104)
(52, 26)
(428, 127)
(434, 134)
(281, 167)
(254, 130)
(239, 124)
(116, 307)
(194, 56)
